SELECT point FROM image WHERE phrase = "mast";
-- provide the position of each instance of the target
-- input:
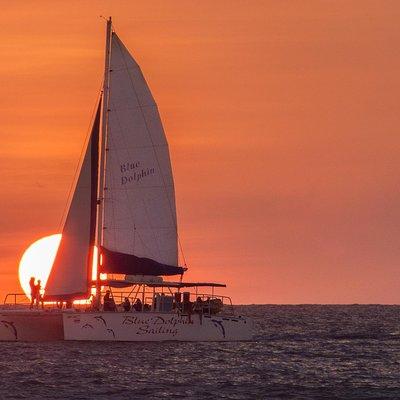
(103, 145)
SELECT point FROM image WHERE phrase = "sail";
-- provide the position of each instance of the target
(129, 264)
(71, 271)
(139, 216)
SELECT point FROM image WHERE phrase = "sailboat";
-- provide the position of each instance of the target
(122, 223)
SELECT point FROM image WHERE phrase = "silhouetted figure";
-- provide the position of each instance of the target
(156, 301)
(126, 305)
(209, 305)
(187, 306)
(39, 298)
(109, 303)
(94, 303)
(33, 291)
(146, 307)
(198, 308)
(178, 301)
(107, 296)
(138, 306)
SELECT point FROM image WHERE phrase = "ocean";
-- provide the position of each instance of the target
(298, 352)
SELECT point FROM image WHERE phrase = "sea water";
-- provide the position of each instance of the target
(298, 352)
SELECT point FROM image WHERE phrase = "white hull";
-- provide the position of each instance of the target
(37, 325)
(154, 327)
(30, 326)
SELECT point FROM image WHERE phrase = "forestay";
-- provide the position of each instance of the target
(139, 200)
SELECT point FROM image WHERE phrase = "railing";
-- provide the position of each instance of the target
(147, 298)
(21, 300)
(16, 296)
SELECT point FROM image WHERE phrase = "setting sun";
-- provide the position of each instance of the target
(38, 260)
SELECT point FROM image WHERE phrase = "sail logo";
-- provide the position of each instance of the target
(134, 172)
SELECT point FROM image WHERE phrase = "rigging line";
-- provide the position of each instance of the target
(104, 140)
(182, 253)
(79, 164)
(107, 198)
(151, 139)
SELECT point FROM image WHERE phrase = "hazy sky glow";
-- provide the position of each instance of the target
(283, 124)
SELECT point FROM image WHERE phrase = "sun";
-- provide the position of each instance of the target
(38, 260)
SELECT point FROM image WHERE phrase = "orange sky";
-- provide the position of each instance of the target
(283, 125)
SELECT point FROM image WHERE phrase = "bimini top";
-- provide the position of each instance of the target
(123, 283)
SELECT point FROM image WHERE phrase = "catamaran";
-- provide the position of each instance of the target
(122, 223)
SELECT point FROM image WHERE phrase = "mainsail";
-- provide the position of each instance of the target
(139, 216)
(131, 182)
(71, 272)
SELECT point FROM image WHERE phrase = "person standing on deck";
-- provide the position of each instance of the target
(39, 298)
(33, 291)
(138, 306)
(108, 302)
(198, 308)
